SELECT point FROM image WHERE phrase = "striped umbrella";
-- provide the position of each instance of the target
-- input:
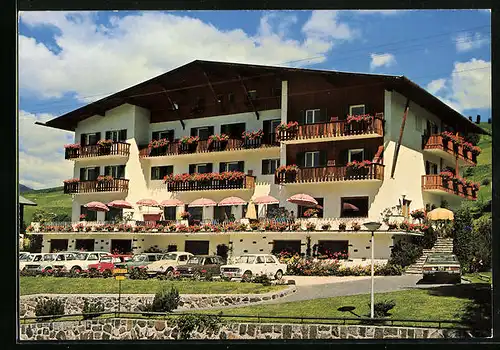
(229, 201)
(172, 203)
(120, 204)
(96, 206)
(303, 199)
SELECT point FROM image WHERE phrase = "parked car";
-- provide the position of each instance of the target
(168, 263)
(199, 266)
(35, 257)
(442, 267)
(107, 263)
(249, 266)
(58, 261)
(84, 259)
(23, 255)
(139, 261)
(36, 262)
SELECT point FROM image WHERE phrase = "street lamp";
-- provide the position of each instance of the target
(372, 226)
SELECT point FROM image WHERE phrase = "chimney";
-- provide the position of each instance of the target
(489, 120)
(478, 119)
(470, 118)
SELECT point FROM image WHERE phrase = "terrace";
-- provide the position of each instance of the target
(210, 181)
(453, 186)
(370, 172)
(75, 186)
(114, 150)
(451, 148)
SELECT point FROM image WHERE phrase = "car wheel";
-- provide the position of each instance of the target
(197, 275)
(76, 269)
(169, 273)
(107, 273)
(279, 275)
(247, 276)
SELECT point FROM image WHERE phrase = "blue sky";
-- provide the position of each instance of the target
(69, 59)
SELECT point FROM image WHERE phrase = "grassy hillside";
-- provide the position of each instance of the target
(483, 171)
(52, 200)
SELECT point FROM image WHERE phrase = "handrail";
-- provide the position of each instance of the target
(437, 141)
(91, 186)
(436, 182)
(116, 148)
(374, 171)
(248, 182)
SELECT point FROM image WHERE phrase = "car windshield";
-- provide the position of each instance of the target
(106, 259)
(246, 259)
(170, 256)
(138, 258)
(442, 259)
(27, 258)
(49, 257)
(195, 260)
(81, 256)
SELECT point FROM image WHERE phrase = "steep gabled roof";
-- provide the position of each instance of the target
(24, 201)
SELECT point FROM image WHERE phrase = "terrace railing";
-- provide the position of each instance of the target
(331, 174)
(438, 142)
(436, 182)
(115, 149)
(248, 182)
(92, 186)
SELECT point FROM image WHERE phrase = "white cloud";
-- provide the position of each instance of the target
(381, 60)
(468, 87)
(97, 59)
(436, 85)
(470, 41)
(41, 152)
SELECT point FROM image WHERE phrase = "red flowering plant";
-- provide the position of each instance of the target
(286, 127)
(185, 215)
(476, 150)
(359, 165)
(405, 226)
(106, 178)
(71, 181)
(418, 214)
(392, 226)
(217, 138)
(182, 228)
(72, 146)
(79, 227)
(231, 175)
(105, 143)
(188, 140)
(310, 226)
(310, 212)
(206, 227)
(475, 186)
(295, 226)
(252, 135)
(446, 175)
(467, 146)
(158, 143)
(359, 118)
(83, 216)
(287, 169)
(194, 228)
(449, 136)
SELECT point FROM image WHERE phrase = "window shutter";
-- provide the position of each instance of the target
(121, 172)
(123, 135)
(171, 135)
(323, 115)
(241, 166)
(266, 127)
(302, 117)
(265, 166)
(98, 136)
(322, 158)
(82, 174)
(222, 167)
(192, 167)
(427, 167)
(155, 135)
(154, 172)
(108, 135)
(97, 171)
(211, 130)
(194, 131)
(107, 170)
(210, 167)
(343, 156)
(301, 159)
(83, 139)
(224, 129)
(169, 170)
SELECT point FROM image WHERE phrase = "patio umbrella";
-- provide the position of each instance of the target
(229, 201)
(172, 203)
(96, 206)
(251, 212)
(147, 203)
(265, 200)
(303, 199)
(202, 202)
(349, 206)
(120, 204)
(440, 214)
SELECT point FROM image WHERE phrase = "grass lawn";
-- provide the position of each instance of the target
(481, 277)
(52, 200)
(63, 285)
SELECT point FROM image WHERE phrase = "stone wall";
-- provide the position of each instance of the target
(73, 304)
(121, 329)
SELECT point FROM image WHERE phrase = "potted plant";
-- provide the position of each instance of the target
(356, 169)
(158, 147)
(446, 176)
(475, 152)
(392, 226)
(326, 226)
(418, 214)
(342, 226)
(310, 226)
(405, 226)
(218, 142)
(287, 130)
(355, 226)
(252, 139)
(71, 150)
(295, 226)
(359, 123)
(104, 146)
(311, 213)
(255, 225)
(188, 143)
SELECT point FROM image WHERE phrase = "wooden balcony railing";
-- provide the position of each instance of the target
(248, 182)
(437, 142)
(116, 149)
(331, 173)
(334, 129)
(436, 182)
(115, 185)
(205, 146)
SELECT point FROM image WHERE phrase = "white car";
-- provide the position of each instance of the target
(84, 259)
(167, 264)
(23, 261)
(249, 266)
(34, 261)
(23, 255)
(58, 261)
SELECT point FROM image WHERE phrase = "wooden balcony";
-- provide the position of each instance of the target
(435, 184)
(247, 183)
(117, 149)
(446, 149)
(331, 174)
(177, 148)
(93, 186)
(334, 130)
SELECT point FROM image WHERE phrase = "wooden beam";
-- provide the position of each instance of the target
(211, 86)
(248, 97)
(175, 107)
(398, 145)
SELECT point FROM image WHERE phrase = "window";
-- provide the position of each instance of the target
(60, 258)
(113, 214)
(116, 171)
(233, 130)
(356, 155)
(164, 134)
(208, 261)
(357, 110)
(431, 168)
(89, 174)
(91, 139)
(332, 247)
(183, 258)
(196, 213)
(260, 260)
(232, 166)
(270, 259)
(353, 207)
(201, 168)
(152, 258)
(159, 172)
(169, 213)
(117, 135)
(252, 94)
(230, 97)
(311, 159)
(90, 215)
(418, 123)
(276, 92)
(93, 256)
(302, 209)
(312, 116)
(269, 166)
(203, 133)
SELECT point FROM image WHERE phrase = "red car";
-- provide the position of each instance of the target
(107, 263)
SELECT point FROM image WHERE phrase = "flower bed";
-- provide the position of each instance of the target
(359, 118)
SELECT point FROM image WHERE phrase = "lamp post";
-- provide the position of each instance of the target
(372, 226)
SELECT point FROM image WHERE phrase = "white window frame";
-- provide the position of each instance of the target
(357, 150)
(231, 163)
(315, 115)
(269, 169)
(114, 171)
(418, 123)
(86, 172)
(198, 165)
(87, 137)
(312, 159)
(357, 106)
(201, 128)
(115, 135)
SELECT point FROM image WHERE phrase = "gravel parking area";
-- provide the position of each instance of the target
(315, 280)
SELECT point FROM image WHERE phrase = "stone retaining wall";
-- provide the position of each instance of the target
(73, 304)
(121, 329)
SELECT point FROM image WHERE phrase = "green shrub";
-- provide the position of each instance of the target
(264, 279)
(405, 253)
(49, 307)
(138, 274)
(485, 182)
(92, 309)
(188, 323)
(382, 308)
(166, 300)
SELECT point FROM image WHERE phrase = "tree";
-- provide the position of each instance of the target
(462, 236)
(481, 237)
(43, 216)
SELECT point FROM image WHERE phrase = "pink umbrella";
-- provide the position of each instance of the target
(171, 203)
(231, 201)
(202, 202)
(266, 200)
(96, 206)
(349, 206)
(120, 204)
(147, 203)
(303, 199)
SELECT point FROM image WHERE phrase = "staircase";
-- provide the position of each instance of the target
(442, 245)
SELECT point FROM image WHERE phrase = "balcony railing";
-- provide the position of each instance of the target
(333, 129)
(248, 182)
(331, 174)
(436, 182)
(116, 149)
(437, 142)
(92, 186)
(205, 146)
